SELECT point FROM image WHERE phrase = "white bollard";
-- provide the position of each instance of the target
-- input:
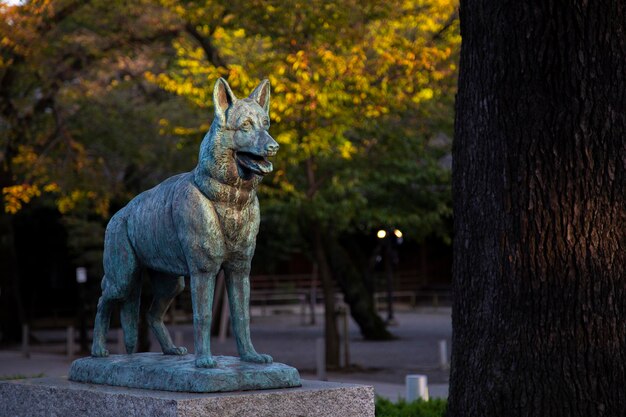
(416, 387)
(443, 354)
(320, 358)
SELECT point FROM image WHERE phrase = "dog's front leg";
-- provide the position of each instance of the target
(238, 286)
(202, 291)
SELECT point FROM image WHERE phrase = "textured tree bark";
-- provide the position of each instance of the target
(539, 313)
(343, 258)
(331, 334)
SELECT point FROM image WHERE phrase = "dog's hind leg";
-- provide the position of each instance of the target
(101, 325)
(112, 295)
(121, 276)
(129, 313)
(165, 288)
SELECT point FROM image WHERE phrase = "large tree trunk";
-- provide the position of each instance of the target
(539, 312)
(331, 334)
(343, 259)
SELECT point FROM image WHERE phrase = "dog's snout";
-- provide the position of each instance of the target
(272, 148)
(268, 144)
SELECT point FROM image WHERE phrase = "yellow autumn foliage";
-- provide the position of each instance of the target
(334, 67)
(17, 195)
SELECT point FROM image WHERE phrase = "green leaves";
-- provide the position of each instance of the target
(419, 408)
(358, 93)
(116, 96)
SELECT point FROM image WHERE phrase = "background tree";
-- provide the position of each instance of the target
(540, 211)
(69, 101)
(359, 90)
(103, 99)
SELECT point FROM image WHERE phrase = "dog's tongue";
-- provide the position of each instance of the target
(255, 163)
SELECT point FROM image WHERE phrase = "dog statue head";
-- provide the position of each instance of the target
(235, 150)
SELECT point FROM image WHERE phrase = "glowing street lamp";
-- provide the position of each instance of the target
(382, 234)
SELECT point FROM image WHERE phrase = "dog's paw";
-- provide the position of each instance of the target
(99, 352)
(257, 358)
(206, 362)
(175, 351)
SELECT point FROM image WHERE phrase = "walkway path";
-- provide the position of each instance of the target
(381, 364)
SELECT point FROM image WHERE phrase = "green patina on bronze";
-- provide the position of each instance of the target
(194, 224)
(179, 373)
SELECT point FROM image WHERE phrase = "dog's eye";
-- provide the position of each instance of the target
(266, 122)
(246, 125)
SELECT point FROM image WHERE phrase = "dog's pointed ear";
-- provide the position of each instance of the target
(223, 98)
(261, 95)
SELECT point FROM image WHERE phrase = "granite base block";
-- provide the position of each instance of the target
(179, 373)
(60, 397)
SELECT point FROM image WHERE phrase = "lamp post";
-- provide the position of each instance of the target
(386, 237)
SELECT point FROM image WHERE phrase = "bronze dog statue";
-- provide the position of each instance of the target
(194, 224)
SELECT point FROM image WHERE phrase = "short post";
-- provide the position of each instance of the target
(313, 294)
(346, 336)
(320, 358)
(443, 354)
(121, 349)
(389, 269)
(81, 279)
(416, 387)
(342, 347)
(25, 346)
(70, 342)
(302, 299)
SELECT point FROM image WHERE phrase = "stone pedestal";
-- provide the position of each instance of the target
(60, 397)
(156, 371)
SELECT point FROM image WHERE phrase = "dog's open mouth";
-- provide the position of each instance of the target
(252, 162)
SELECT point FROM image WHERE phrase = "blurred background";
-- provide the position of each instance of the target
(102, 99)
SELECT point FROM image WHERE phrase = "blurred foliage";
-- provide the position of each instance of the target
(432, 408)
(102, 99)
(78, 122)
(362, 97)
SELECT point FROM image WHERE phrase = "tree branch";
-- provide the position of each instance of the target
(207, 46)
(47, 24)
(453, 17)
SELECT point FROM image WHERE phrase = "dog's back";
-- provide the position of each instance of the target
(150, 225)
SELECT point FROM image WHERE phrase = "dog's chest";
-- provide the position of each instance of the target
(237, 225)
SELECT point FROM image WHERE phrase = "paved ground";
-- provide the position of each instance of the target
(381, 364)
